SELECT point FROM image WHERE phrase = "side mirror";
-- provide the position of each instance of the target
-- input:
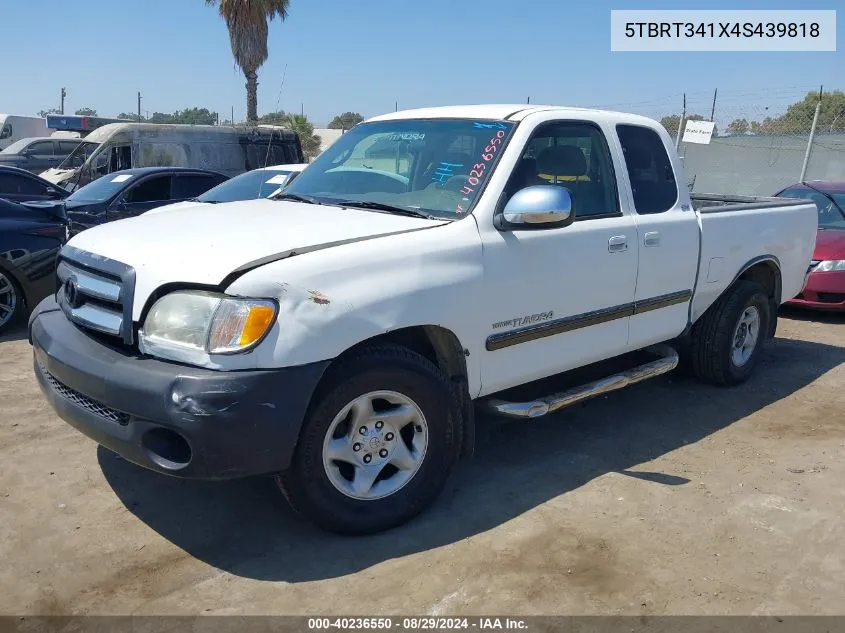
(53, 193)
(539, 207)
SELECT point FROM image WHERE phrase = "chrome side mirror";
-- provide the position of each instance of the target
(539, 206)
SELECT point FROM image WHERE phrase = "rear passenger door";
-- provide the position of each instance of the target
(187, 186)
(148, 193)
(668, 235)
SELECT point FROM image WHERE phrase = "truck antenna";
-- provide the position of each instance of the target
(272, 131)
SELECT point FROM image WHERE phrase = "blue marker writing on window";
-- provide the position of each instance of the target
(445, 171)
(489, 126)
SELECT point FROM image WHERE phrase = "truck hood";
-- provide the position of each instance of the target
(830, 244)
(204, 244)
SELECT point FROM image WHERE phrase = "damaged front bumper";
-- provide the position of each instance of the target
(170, 418)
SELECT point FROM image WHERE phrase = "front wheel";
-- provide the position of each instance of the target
(377, 445)
(728, 339)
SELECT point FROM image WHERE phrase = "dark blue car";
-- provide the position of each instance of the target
(30, 240)
(131, 192)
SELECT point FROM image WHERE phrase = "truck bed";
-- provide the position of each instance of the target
(721, 203)
(735, 230)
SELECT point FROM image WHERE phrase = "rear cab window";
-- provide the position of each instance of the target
(649, 169)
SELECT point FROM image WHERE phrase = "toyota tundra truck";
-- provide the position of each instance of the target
(343, 335)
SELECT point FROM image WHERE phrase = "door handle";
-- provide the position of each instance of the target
(652, 238)
(617, 244)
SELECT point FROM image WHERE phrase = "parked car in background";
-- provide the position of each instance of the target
(258, 183)
(131, 192)
(229, 150)
(14, 127)
(39, 154)
(825, 289)
(30, 240)
(18, 185)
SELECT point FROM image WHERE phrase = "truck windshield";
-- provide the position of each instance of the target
(79, 155)
(17, 146)
(435, 166)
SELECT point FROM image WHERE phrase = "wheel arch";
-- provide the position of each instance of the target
(444, 349)
(764, 270)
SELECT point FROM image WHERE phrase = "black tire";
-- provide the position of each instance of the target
(710, 353)
(18, 309)
(307, 485)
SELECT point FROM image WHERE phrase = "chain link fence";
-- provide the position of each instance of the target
(762, 143)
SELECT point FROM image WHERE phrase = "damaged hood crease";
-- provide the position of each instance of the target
(209, 244)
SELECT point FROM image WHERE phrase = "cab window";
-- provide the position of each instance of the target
(574, 155)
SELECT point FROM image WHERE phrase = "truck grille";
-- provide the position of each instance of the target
(96, 293)
(83, 401)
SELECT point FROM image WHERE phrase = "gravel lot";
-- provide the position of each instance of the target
(670, 497)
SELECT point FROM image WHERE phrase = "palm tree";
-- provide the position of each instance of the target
(300, 124)
(247, 21)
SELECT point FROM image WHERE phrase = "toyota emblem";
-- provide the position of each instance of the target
(72, 293)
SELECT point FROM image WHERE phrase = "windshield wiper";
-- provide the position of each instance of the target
(381, 206)
(296, 198)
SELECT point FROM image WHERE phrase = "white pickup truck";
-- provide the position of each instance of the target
(340, 335)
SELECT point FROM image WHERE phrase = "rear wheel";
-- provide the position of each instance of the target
(378, 445)
(11, 301)
(728, 339)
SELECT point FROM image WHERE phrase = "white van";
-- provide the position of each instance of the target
(228, 150)
(14, 127)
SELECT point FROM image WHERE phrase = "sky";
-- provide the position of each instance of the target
(332, 56)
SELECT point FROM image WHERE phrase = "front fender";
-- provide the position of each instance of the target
(334, 299)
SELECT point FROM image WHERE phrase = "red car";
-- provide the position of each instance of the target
(825, 287)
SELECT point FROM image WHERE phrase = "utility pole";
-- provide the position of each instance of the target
(528, 100)
(812, 135)
(681, 123)
(713, 111)
(232, 121)
(397, 106)
(139, 106)
(64, 94)
(302, 109)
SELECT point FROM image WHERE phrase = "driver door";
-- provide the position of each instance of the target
(141, 196)
(560, 298)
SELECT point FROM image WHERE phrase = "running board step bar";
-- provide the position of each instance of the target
(667, 361)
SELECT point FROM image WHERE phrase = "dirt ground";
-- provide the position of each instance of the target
(667, 498)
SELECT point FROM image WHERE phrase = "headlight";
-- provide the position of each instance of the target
(830, 265)
(186, 325)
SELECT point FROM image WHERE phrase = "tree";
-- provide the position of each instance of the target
(798, 117)
(86, 112)
(738, 126)
(130, 116)
(43, 113)
(345, 121)
(247, 21)
(301, 125)
(188, 116)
